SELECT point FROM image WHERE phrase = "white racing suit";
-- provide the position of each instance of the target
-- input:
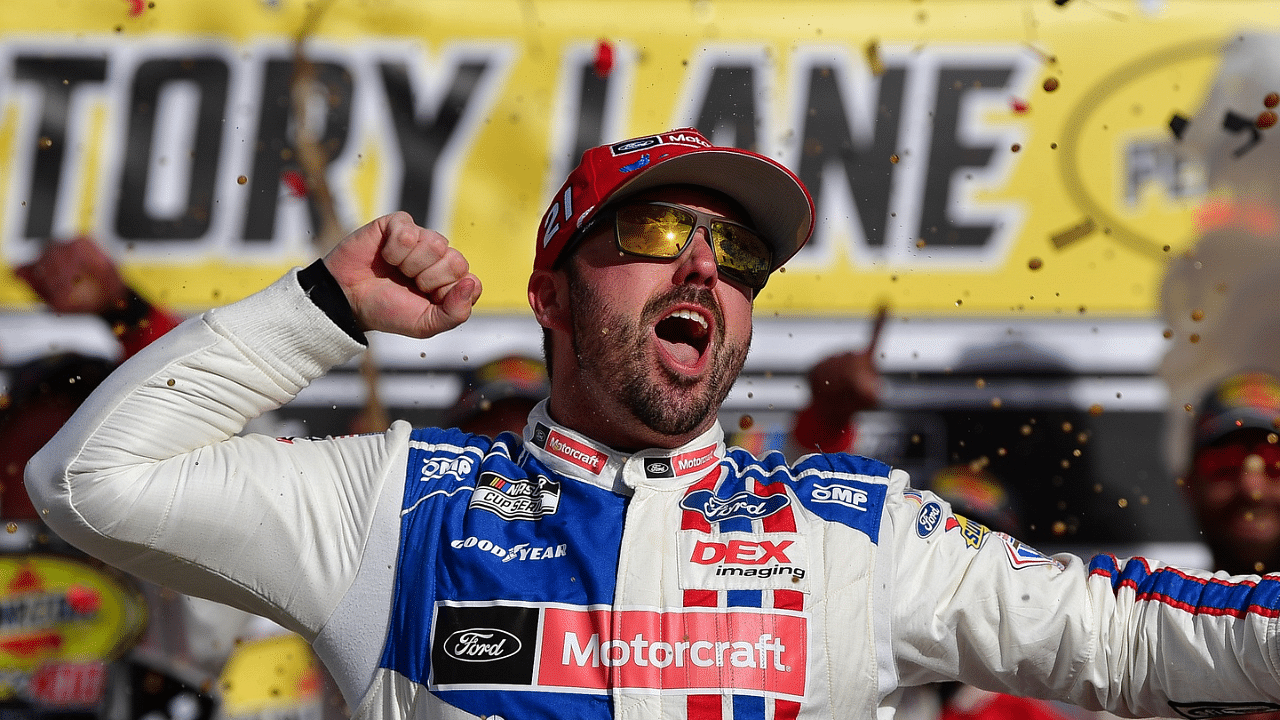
(444, 575)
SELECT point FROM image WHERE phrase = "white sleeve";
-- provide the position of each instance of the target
(149, 475)
(1133, 637)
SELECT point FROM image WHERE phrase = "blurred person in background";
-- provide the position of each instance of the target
(164, 654)
(497, 396)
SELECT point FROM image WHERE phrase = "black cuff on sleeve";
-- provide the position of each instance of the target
(323, 290)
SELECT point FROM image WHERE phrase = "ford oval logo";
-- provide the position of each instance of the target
(658, 467)
(481, 645)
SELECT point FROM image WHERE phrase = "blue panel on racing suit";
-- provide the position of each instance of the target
(487, 542)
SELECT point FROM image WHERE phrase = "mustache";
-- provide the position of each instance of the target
(681, 294)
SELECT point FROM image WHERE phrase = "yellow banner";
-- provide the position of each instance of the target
(967, 156)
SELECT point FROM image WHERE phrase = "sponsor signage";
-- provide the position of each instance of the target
(516, 498)
(958, 168)
(683, 464)
(566, 448)
(518, 552)
(928, 519)
(743, 561)
(745, 504)
(57, 610)
(591, 649)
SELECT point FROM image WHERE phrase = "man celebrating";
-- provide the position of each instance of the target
(617, 559)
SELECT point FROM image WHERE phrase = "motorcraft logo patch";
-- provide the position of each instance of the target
(568, 648)
(565, 447)
(684, 463)
(516, 499)
(741, 505)
(742, 561)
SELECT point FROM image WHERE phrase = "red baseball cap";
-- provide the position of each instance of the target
(778, 204)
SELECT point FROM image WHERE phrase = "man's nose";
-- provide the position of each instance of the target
(697, 264)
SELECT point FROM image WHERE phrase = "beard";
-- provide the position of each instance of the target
(619, 355)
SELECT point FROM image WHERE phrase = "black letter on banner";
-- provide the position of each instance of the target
(275, 154)
(828, 139)
(422, 142)
(730, 102)
(947, 155)
(593, 93)
(209, 76)
(58, 78)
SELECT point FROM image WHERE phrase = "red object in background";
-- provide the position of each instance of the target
(136, 7)
(1019, 105)
(83, 600)
(604, 58)
(297, 184)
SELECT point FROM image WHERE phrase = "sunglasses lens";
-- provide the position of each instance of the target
(656, 231)
(741, 253)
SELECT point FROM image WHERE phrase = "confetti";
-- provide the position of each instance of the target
(1050, 84)
(872, 51)
(1073, 234)
(746, 421)
(1035, 263)
(1019, 106)
(242, 180)
(136, 7)
(1271, 100)
(1266, 119)
(297, 184)
(604, 58)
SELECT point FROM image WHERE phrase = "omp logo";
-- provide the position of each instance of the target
(623, 148)
(481, 645)
(575, 452)
(840, 495)
(742, 505)
(433, 468)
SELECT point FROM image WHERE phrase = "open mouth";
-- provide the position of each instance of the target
(684, 335)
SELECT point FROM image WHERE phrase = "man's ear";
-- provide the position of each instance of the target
(549, 298)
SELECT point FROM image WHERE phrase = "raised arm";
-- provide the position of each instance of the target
(150, 476)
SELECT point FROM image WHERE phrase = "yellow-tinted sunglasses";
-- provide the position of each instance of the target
(656, 229)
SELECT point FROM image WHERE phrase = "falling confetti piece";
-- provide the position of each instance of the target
(1074, 234)
(1271, 100)
(1095, 409)
(1197, 315)
(746, 421)
(242, 180)
(297, 184)
(136, 7)
(1015, 147)
(604, 58)
(1035, 263)
(1019, 105)
(45, 143)
(11, 528)
(1266, 119)
(894, 158)
(872, 51)
(1050, 84)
